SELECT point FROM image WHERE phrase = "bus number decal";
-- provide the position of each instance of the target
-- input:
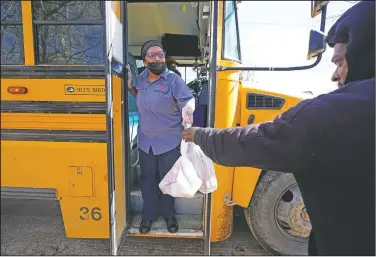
(96, 214)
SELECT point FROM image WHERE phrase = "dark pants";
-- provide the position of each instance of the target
(153, 169)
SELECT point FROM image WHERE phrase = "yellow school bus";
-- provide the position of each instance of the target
(69, 125)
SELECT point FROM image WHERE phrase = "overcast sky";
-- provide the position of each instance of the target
(277, 34)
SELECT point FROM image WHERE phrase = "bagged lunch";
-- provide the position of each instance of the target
(182, 180)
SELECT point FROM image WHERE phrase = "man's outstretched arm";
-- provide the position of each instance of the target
(281, 145)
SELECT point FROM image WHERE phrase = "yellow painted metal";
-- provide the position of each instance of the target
(225, 116)
(78, 171)
(80, 217)
(27, 28)
(245, 179)
(52, 90)
(264, 115)
(90, 122)
(80, 181)
(119, 163)
(116, 8)
(219, 31)
(38, 164)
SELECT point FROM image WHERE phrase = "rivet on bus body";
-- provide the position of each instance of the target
(17, 90)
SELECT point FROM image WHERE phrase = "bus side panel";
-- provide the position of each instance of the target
(119, 163)
(245, 179)
(52, 89)
(225, 112)
(225, 99)
(52, 121)
(78, 171)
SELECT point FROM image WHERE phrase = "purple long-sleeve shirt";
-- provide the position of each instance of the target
(159, 106)
(328, 143)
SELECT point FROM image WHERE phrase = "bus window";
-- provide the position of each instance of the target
(231, 46)
(12, 48)
(187, 74)
(69, 32)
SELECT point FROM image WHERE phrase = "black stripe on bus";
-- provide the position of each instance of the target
(54, 135)
(65, 72)
(53, 107)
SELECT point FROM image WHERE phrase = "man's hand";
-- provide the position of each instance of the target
(189, 134)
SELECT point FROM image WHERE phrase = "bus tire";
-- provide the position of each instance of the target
(264, 221)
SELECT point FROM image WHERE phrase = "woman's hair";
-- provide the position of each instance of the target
(147, 45)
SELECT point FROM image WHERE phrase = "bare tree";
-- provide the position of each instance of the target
(70, 43)
(11, 33)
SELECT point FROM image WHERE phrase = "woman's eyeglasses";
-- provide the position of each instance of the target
(160, 54)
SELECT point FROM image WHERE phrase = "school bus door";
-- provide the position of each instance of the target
(116, 119)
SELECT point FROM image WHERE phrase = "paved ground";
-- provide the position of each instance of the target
(30, 227)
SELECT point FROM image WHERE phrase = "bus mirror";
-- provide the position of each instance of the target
(317, 6)
(317, 44)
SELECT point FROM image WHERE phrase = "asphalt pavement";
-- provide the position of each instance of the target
(35, 227)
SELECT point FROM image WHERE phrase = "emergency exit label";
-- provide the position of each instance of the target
(85, 90)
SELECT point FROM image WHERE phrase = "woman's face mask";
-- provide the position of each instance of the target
(156, 68)
(155, 60)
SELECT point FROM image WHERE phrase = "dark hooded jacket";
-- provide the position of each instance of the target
(327, 142)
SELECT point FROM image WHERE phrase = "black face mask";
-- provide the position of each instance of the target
(157, 68)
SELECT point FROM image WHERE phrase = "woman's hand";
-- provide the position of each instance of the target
(187, 113)
(189, 134)
(130, 84)
(187, 119)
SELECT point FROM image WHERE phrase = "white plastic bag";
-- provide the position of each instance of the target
(182, 180)
(203, 166)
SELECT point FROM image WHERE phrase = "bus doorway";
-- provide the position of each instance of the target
(179, 34)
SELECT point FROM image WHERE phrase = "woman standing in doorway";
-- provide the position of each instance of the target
(165, 105)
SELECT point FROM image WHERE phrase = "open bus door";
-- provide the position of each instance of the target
(116, 120)
(194, 215)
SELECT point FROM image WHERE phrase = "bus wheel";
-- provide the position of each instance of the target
(277, 216)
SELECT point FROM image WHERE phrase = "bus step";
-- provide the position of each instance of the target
(189, 226)
(182, 205)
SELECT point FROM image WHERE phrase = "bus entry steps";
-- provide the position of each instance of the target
(189, 226)
(192, 206)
